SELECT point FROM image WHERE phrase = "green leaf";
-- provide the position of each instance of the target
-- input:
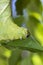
(8, 29)
(3, 61)
(5, 52)
(26, 44)
(4, 55)
(15, 57)
(26, 60)
(9, 57)
(36, 15)
(36, 59)
(26, 6)
(36, 28)
(35, 6)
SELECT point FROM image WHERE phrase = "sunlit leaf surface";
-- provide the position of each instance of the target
(8, 29)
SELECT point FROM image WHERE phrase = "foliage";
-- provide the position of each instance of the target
(21, 35)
